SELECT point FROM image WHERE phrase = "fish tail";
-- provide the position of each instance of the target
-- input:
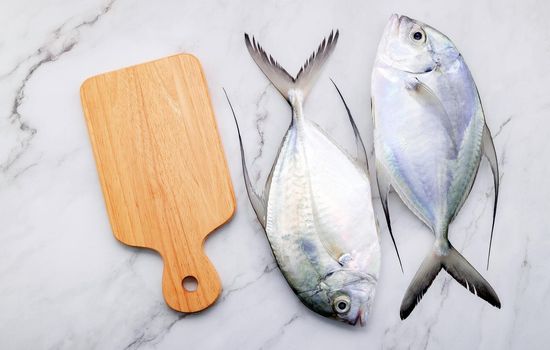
(293, 89)
(457, 266)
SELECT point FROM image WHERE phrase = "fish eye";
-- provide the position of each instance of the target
(341, 304)
(417, 35)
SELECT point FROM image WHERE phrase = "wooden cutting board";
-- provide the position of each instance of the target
(162, 168)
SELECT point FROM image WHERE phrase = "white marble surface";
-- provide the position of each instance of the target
(66, 283)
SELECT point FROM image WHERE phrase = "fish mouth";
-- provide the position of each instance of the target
(392, 27)
(404, 19)
(394, 24)
(390, 33)
(360, 318)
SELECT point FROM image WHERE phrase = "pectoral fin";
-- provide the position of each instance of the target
(491, 155)
(258, 203)
(433, 105)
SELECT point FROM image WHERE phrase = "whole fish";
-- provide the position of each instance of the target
(430, 133)
(316, 208)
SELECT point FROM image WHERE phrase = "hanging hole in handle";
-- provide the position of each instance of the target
(190, 283)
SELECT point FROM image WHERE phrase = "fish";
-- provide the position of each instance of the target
(429, 135)
(316, 207)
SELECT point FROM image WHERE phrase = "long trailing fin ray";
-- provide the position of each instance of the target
(361, 151)
(280, 78)
(258, 203)
(458, 267)
(491, 155)
(383, 183)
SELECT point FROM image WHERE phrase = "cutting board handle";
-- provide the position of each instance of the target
(196, 266)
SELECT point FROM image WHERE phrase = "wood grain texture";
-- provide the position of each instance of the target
(162, 168)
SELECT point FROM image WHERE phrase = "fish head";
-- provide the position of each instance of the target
(350, 296)
(415, 47)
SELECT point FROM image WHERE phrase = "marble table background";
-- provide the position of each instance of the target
(66, 283)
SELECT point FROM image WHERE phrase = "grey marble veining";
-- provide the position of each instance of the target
(66, 283)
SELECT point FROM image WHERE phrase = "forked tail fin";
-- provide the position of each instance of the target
(458, 267)
(283, 81)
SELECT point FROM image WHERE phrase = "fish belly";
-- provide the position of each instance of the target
(319, 214)
(431, 156)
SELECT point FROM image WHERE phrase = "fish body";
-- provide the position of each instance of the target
(430, 134)
(316, 209)
(320, 221)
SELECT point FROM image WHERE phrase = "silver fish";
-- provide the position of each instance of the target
(316, 208)
(430, 133)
